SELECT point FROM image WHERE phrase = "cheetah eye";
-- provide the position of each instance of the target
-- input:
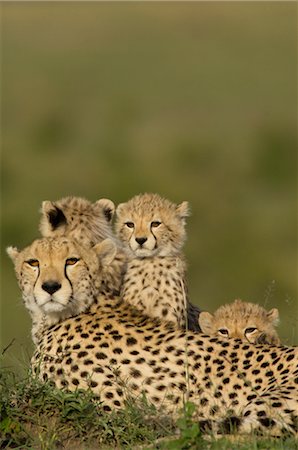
(250, 330)
(71, 261)
(33, 262)
(130, 224)
(223, 331)
(155, 224)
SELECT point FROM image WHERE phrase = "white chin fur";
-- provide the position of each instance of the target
(144, 253)
(52, 306)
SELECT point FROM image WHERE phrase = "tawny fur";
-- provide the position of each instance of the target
(54, 276)
(152, 230)
(119, 354)
(88, 223)
(242, 320)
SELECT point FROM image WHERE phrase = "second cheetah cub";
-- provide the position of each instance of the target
(88, 224)
(242, 320)
(152, 230)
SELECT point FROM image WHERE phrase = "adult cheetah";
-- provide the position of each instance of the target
(152, 230)
(62, 286)
(119, 353)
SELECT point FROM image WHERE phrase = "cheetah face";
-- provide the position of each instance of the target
(145, 238)
(242, 320)
(149, 226)
(58, 276)
(51, 291)
(77, 218)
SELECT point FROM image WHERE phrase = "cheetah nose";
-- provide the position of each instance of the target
(51, 286)
(141, 240)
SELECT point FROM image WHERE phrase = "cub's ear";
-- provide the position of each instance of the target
(273, 316)
(13, 253)
(53, 215)
(205, 322)
(106, 251)
(108, 208)
(183, 210)
(119, 208)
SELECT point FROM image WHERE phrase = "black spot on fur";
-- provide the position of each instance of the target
(131, 341)
(205, 425)
(135, 373)
(230, 425)
(267, 422)
(100, 355)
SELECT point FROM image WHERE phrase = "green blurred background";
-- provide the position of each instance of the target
(196, 101)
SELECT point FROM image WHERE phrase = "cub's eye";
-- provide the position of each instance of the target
(155, 224)
(33, 262)
(250, 330)
(223, 331)
(130, 224)
(71, 261)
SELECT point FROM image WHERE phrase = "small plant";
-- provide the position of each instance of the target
(189, 430)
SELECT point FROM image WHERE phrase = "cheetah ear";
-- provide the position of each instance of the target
(205, 322)
(52, 215)
(273, 316)
(106, 251)
(13, 253)
(119, 208)
(183, 210)
(108, 208)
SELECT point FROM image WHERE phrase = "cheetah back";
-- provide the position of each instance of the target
(120, 354)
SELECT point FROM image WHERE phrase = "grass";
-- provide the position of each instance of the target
(36, 415)
(193, 100)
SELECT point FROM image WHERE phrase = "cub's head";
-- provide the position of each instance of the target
(78, 219)
(242, 320)
(149, 225)
(58, 277)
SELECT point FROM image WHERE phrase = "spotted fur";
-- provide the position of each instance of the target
(242, 320)
(120, 354)
(152, 230)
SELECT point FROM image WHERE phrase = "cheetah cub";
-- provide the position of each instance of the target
(88, 223)
(54, 276)
(242, 320)
(152, 230)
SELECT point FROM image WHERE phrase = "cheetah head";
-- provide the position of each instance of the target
(242, 320)
(58, 277)
(77, 218)
(149, 225)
